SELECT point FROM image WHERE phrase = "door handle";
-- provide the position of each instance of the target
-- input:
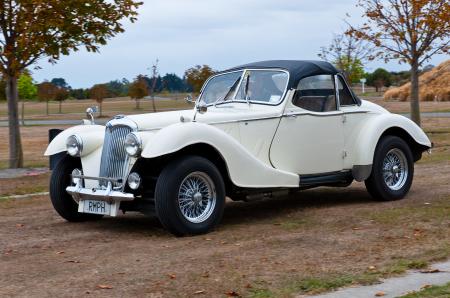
(291, 115)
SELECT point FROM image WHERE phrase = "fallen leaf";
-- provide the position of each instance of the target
(248, 286)
(380, 294)
(372, 267)
(427, 203)
(199, 292)
(172, 276)
(59, 252)
(104, 287)
(73, 261)
(425, 287)
(430, 271)
(205, 275)
(20, 225)
(208, 239)
(232, 294)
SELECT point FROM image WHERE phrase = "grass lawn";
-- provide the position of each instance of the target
(431, 292)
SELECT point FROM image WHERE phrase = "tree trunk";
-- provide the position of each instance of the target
(138, 104)
(22, 112)
(101, 108)
(60, 102)
(15, 144)
(153, 103)
(415, 108)
(46, 107)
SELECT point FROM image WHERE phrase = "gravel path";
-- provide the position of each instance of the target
(399, 286)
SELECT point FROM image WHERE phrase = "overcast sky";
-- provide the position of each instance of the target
(220, 33)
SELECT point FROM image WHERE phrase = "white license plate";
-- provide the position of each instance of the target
(96, 207)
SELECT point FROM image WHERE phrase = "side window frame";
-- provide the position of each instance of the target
(344, 85)
(336, 95)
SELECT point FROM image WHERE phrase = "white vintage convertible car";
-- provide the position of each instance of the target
(256, 130)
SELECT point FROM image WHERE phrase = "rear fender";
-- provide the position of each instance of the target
(365, 143)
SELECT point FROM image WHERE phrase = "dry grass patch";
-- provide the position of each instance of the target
(434, 86)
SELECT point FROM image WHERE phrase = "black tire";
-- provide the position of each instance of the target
(167, 192)
(376, 184)
(63, 203)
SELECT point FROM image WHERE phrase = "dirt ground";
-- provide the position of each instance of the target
(313, 241)
(265, 247)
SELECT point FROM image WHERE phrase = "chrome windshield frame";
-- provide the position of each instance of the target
(233, 99)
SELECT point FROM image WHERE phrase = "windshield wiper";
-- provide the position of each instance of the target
(229, 92)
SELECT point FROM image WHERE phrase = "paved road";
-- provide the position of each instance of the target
(398, 286)
(4, 123)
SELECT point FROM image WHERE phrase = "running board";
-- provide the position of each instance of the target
(326, 179)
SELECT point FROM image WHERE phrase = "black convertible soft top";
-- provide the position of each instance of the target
(298, 69)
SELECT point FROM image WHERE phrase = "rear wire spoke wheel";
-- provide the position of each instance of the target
(395, 169)
(190, 196)
(392, 170)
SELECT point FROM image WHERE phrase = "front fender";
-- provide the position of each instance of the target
(365, 143)
(92, 136)
(244, 169)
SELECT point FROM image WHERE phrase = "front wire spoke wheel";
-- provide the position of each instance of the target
(197, 197)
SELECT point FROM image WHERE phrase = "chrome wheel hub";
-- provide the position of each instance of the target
(197, 197)
(395, 169)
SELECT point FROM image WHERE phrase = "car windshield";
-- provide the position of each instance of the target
(265, 86)
(221, 87)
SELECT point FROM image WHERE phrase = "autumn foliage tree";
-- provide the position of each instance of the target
(348, 54)
(197, 75)
(411, 31)
(98, 93)
(33, 29)
(138, 90)
(46, 91)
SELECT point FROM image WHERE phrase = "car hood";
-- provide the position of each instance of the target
(219, 114)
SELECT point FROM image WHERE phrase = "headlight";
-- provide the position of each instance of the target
(133, 145)
(74, 145)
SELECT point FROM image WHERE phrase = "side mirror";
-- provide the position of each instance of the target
(189, 99)
(202, 109)
(90, 113)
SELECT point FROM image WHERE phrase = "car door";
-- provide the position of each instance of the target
(309, 139)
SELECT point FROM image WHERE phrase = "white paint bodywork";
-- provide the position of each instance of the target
(262, 145)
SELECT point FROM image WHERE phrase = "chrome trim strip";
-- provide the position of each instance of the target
(273, 117)
(108, 195)
(97, 178)
(333, 113)
(336, 92)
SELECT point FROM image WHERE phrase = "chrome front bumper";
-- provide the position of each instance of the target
(110, 195)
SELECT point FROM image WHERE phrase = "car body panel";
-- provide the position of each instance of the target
(92, 135)
(245, 170)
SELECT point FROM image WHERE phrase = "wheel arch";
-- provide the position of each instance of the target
(154, 165)
(416, 148)
(363, 146)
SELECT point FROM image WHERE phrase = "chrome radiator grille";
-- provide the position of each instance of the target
(114, 162)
